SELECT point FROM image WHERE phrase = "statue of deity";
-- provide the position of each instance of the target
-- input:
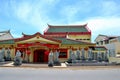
(73, 57)
(70, 54)
(18, 60)
(2, 53)
(50, 58)
(90, 54)
(83, 54)
(56, 60)
(56, 55)
(78, 54)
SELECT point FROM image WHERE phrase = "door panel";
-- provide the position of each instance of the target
(39, 55)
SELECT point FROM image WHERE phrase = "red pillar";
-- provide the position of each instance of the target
(46, 56)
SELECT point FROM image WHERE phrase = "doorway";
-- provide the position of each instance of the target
(39, 56)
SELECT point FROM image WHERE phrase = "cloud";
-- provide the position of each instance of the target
(23, 11)
(70, 12)
(85, 9)
(35, 13)
(102, 16)
(51, 2)
(15, 33)
(109, 8)
(102, 25)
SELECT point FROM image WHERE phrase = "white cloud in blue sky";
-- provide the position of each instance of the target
(31, 16)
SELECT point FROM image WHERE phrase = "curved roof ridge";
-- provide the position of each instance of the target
(25, 35)
(67, 28)
(68, 25)
(7, 31)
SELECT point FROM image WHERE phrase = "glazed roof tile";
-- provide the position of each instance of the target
(71, 41)
(25, 37)
(67, 28)
(105, 37)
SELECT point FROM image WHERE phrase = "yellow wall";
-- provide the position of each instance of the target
(114, 59)
(31, 56)
(12, 53)
(117, 47)
(76, 46)
(80, 37)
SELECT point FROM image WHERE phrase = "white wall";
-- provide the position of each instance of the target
(112, 48)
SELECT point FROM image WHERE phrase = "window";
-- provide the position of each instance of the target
(88, 39)
(62, 55)
(101, 42)
(78, 39)
(106, 42)
(118, 53)
(97, 43)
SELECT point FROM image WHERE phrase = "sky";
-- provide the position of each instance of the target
(31, 16)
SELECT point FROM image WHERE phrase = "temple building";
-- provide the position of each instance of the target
(74, 32)
(63, 38)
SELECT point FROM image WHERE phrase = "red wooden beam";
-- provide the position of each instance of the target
(26, 45)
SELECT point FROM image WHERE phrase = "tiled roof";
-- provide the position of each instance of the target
(5, 35)
(67, 28)
(70, 41)
(101, 37)
(25, 37)
(3, 32)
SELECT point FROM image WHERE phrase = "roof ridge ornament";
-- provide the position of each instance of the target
(7, 31)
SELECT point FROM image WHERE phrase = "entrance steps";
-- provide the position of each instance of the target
(62, 65)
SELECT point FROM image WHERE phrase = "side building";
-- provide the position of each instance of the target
(6, 43)
(112, 43)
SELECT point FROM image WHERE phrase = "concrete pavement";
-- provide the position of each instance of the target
(30, 65)
(63, 66)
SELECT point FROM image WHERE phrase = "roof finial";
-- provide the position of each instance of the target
(48, 24)
(86, 24)
(23, 33)
(9, 31)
